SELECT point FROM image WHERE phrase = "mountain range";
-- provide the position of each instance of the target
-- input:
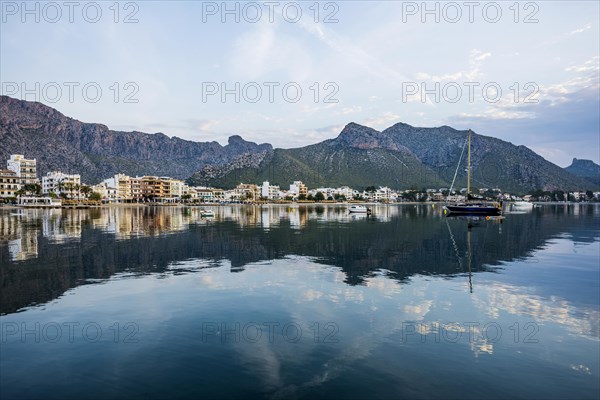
(401, 156)
(96, 152)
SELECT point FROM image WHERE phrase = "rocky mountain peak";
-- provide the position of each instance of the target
(359, 136)
(585, 169)
(584, 164)
(240, 145)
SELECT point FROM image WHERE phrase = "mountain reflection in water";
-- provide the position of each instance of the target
(45, 253)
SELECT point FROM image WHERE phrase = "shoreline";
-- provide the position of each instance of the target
(267, 204)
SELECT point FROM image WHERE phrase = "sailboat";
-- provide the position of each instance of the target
(469, 207)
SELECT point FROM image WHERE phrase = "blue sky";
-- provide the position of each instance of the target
(374, 63)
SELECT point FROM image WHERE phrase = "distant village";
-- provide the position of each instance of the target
(19, 184)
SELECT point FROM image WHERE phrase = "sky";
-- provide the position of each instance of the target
(295, 73)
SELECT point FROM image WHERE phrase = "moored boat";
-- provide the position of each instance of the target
(471, 207)
(359, 209)
(474, 209)
(522, 205)
(207, 213)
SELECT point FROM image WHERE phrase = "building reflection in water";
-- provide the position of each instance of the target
(22, 242)
(397, 242)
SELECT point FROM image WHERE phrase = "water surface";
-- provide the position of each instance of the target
(299, 302)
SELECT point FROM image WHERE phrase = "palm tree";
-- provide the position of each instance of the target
(69, 187)
(60, 186)
(86, 191)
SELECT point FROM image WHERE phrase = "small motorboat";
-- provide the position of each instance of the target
(359, 209)
(206, 213)
(522, 205)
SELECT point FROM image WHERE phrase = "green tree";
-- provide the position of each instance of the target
(371, 189)
(302, 197)
(319, 196)
(410, 196)
(558, 195)
(85, 190)
(589, 194)
(30, 189)
(69, 187)
(95, 196)
(310, 197)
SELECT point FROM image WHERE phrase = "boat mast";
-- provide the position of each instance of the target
(469, 167)
(469, 254)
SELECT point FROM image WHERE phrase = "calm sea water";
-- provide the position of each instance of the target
(299, 302)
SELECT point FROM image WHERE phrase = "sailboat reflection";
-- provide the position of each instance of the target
(472, 221)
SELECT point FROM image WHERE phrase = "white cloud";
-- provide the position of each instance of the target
(353, 54)
(351, 110)
(382, 121)
(580, 30)
(203, 125)
(590, 65)
(476, 59)
(263, 50)
(550, 153)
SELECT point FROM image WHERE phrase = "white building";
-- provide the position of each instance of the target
(327, 192)
(57, 182)
(345, 191)
(384, 193)
(177, 188)
(107, 191)
(297, 188)
(25, 169)
(269, 191)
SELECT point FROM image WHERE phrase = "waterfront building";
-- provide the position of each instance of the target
(207, 195)
(177, 187)
(345, 191)
(39, 202)
(9, 183)
(107, 191)
(327, 192)
(246, 191)
(297, 189)
(269, 191)
(25, 169)
(57, 182)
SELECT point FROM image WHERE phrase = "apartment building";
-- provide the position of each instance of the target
(58, 183)
(269, 191)
(25, 169)
(9, 183)
(246, 191)
(128, 188)
(298, 188)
